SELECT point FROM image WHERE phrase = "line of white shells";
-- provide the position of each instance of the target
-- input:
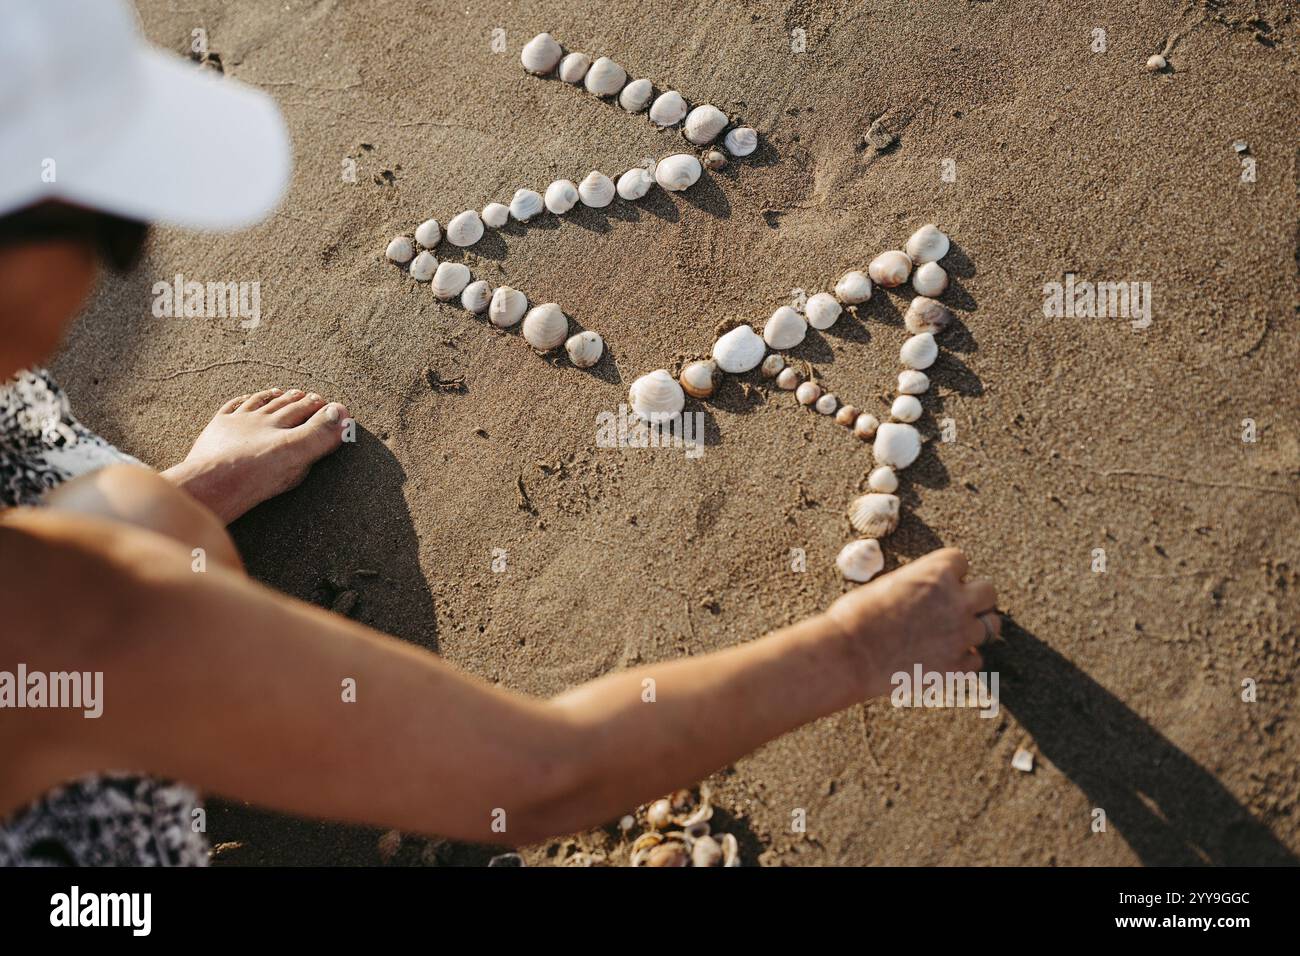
(545, 327)
(897, 443)
(603, 77)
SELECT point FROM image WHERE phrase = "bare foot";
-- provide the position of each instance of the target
(256, 447)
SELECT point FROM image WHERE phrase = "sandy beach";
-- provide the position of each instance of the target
(1044, 149)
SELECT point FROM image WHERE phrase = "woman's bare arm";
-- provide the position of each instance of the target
(215, 680)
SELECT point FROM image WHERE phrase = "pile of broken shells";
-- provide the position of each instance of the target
(677, 832)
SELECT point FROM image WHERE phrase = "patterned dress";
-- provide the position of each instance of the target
(114, 819)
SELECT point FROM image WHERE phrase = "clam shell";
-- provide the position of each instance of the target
(785, 328)
(715, 160)
(827, 404)
(526, 204)
(400, 250)
(704, 123)
(605, 78)
(739, 350)
(896, 445)
(706, 851)
(584, 349)
(860, 560)
(788, 379)
(507, 307)
(808, 392)
(883, 480)
(912, 382)
(596, 190)
(668, 108)
(545, 327)
(476, 297)
(677, 172)
(540, 54)
(574, 67)
(919, 352)
(636, 95)
(656, 397)
(874, 515)
(926, 315)
(772, 366)
(699, 379)
(822, 310)
(853, 288)
(422, 267)
(635, 183)
(658, 815)
(846, 416)
(730, 850)
(428, 233)
(741, 141)
(450, 280)
(930, 279)
(890, 269)
(561, 196)
(669, 853)
(906, 408)
(927, 244)
(495, 214)
(865, 425)
(465, 228)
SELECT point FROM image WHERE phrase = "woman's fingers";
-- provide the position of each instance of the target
(980, 595)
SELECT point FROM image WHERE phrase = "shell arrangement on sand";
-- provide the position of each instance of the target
(677, 830)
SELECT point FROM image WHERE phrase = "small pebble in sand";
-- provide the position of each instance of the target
(1023, 760)
(400, 250)
(1155, 63)
(1241, 146)
(715, 160)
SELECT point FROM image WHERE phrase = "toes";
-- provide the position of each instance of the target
(327, 425)
(295, 413)
(258, 399)
(231, 405)
(285, 399)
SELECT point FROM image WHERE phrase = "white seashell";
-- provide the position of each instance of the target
(668, 108)
(896, 445)
(906, 408)
(846, 416)
(929, 279)
(853, 288)
(927, 244)
(626, 822)
(919, 352)
(822, 310)
(526, 204)
(450, 280)
(739, 350)
(772, 365)
(704, 123)
(890, 269)
(605, 78)
(476, 297)
(788, 379)
(715, 160)
(635, 183)
(865, 425)
(677, 172)
(912, 382)
(706, 851)
(874, 515)
(545, 327)
(597, 190)
(1022, 759)
(561, 196)
(465, 228)
(636, 95)
(699, 378)
(574, 67)
(808, 393)
(584, 349)
(883, 480)
(827, 404)
(741, 141)
(495, 214)
(785, 328)
(1156, 63)
(428, 233)
(507, 307)
(730, 849)
(926, 315)
(860, 560)
(660, 813)
(422, 267)
(400, 250)
(656, 397)
(540, 54)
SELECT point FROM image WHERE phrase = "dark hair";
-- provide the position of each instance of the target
(118, 241)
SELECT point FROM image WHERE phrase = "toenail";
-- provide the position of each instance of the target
(332, 414)
(294, 392)
(275, 391)
(313, 397)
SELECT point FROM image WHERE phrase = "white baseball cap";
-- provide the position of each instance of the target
(91, 114)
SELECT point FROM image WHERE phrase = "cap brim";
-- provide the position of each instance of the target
(197, 151)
